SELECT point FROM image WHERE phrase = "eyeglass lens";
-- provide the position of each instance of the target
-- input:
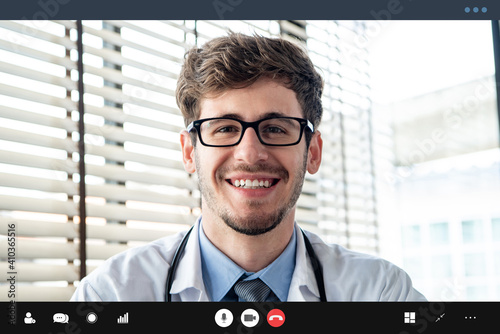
(273, 131)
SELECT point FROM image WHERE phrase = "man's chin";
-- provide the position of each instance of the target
(254, 225)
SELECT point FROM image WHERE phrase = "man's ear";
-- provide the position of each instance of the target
(314, 153)
(188, 156)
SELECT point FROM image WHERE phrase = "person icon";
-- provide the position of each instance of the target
(28, 319)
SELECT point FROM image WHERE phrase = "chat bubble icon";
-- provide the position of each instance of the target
(61, 318)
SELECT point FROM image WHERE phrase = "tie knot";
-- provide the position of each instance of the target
(252, 291)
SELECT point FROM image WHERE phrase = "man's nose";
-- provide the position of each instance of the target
(250, 149)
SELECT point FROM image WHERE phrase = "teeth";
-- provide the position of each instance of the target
(249, 184)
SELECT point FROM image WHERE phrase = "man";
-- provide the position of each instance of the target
(252, 106)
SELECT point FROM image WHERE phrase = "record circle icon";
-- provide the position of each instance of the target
(91, 318)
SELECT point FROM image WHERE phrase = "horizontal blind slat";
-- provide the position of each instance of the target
(39, 55)
(117, 96)
(36, 249)
(120, 60)
(116, 39)
(27, 160)
(306, 216)
(117, 134)
(31, 228)
(108, 232)
(115, 153)
(40, 293)
(36, 183)
(41, 249)
(117, 77)
(14, 203)
(30, 138)
(121, 193)
(122, 213)
(39, 119)
(28, 95)
(36, 272)
(151, 33)
(118, 116)
(119, 173)
(38, 76)
(38, 34)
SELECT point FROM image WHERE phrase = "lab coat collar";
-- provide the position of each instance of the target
(303, 286)
(188, 279)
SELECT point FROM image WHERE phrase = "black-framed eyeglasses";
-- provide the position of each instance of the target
(271, 131)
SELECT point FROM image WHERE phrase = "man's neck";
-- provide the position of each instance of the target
(252, 253)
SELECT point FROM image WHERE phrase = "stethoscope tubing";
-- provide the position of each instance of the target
(318, 271)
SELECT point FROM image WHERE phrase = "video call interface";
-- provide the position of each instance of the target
(394, 221)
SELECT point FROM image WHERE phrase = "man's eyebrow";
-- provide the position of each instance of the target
(230, 115)
(266, 115)
(273, 114)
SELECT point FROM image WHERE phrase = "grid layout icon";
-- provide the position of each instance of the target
(409, 317)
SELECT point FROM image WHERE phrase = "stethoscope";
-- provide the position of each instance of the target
(318, 272)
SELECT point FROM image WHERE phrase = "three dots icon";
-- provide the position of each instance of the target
(475, 9)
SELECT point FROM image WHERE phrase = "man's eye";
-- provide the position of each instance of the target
(274, 129)
(227, 129)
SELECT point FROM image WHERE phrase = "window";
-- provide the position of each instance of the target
(441, 266)
(439, 233)
(411, 236)
(495, 229)
(435, 82)
(472, 231)
(475, 264)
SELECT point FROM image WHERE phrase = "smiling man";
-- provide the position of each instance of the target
(252, 106)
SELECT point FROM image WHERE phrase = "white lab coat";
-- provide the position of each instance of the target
(139, 274)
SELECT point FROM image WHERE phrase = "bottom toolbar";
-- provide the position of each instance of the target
(388, 317)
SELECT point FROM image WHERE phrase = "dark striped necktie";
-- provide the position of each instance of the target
(252, 291)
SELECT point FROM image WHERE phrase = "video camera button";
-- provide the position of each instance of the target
(249, 318)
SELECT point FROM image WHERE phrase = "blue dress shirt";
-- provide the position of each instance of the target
(220, 273)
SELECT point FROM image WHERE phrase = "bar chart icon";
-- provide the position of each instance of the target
(123, 319)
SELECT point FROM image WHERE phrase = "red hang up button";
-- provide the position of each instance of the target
(276, 318)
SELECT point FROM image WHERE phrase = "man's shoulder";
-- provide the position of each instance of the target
(360, 276)
(340, 254)
(158, 253)
(161, 249)
(138, 273)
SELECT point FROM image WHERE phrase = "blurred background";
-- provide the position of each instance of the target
(411, 154)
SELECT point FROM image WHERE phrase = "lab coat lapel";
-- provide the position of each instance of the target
(188, 281)
(303, 286)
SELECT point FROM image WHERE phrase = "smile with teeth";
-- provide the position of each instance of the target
(252, 184)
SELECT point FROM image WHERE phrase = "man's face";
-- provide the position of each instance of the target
(259, 209)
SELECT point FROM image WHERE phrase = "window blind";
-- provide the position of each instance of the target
(347, 193)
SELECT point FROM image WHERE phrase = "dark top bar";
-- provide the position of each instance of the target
(253, 9)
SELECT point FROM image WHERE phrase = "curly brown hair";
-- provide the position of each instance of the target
(237, 61)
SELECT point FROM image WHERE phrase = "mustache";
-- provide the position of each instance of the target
(279, 171)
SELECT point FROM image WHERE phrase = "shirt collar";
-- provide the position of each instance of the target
(278, 274)
(220, 273)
